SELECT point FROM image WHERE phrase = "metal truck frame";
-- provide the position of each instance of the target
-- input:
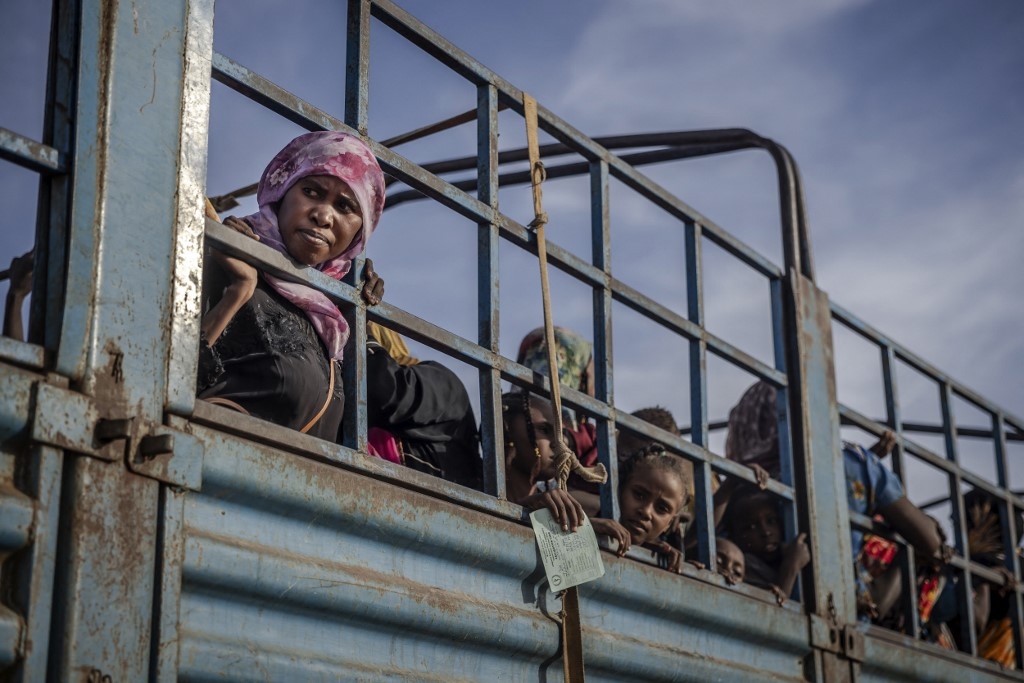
(146, 535)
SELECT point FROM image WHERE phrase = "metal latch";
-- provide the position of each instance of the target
(846, 640)
(70, 421)
(168, 455)
(853, 643)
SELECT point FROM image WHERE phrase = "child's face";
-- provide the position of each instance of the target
(729, 561)
(757, 529)
(318, 217)
(544, 432)
(651, 500)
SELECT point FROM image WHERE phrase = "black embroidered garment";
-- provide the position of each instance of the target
(270, 361)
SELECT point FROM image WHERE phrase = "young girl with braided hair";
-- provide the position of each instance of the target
(653, 490)
(528, 423)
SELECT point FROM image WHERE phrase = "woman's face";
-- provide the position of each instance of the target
(318, 217)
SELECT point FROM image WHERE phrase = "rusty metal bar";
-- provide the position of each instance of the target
(488, 292)
(601, 254)
(901, 353)
(357, 66)
(26, 152)
(697, 351)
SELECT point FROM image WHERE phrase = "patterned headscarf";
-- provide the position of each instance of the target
(335, 154)
(573, 353)
(754, 428)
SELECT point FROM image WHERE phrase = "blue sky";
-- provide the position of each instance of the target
(904, 117)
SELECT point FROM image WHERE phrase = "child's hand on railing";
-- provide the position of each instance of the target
(885, 444)
(671, 557)
(615, 531)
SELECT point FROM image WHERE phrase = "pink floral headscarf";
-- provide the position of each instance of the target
(335, 154)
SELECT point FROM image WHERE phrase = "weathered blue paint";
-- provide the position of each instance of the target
(21, 353)
(488, 287)
(604, 385)
(29, 153)
(153, 537)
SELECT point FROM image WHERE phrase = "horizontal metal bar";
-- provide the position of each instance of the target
(434, 44)
(850, 417)
(272, 96)
(674, 322)
(283, 438)
(460, 62)
(695, 453)
(275, 263)
(926, 455)
(873, 335)
(30, 154)
(713, 426)
(22, 353)
(430, 129)
(727, 242)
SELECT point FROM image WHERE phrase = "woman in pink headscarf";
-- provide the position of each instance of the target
(270, 347)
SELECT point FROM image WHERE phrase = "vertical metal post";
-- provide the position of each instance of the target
(357, 80)
(894, 419)
(699, 394)
(790, 515)
(188, 246)
(965, 589)
(777, 292)
(1008, 520)
(819, 475)
(893, 413)
(601, 253)
(357, 66)
(35, 567)
(42, 466)
(47, 306)
(114, 340)
(488, 290)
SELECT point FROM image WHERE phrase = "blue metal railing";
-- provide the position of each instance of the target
(907, 452)
(138, 369)
(601, 165)
(51, 159)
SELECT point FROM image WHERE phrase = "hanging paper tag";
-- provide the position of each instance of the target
(570, 558)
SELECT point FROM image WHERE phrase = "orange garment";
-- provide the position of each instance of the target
(996, 643)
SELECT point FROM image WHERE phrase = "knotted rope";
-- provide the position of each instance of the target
(566, 461)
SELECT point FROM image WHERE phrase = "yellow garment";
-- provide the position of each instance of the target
(392, 343)
(210, 211)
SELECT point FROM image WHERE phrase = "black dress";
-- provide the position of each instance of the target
(270, 361)
(426, 407)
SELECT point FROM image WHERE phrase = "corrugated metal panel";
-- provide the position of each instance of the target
(298, 570)
(16, 512)
(890, 658)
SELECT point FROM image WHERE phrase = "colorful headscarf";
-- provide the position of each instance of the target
(573, 353)
(335, 154)
(753, 435)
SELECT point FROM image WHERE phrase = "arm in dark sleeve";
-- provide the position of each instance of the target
(406, 398)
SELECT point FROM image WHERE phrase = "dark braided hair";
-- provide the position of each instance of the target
(518, 403)
(656, 457)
